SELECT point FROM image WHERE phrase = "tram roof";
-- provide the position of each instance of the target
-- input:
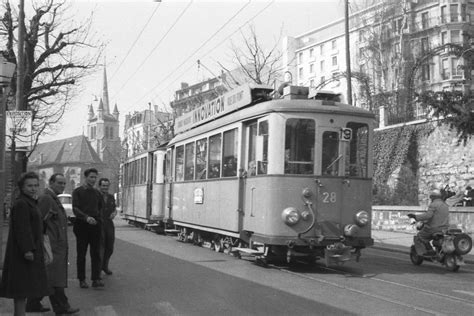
(272, 106)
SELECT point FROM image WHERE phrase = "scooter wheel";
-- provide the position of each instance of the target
(462, 244)
(414, 257)
(450, 263)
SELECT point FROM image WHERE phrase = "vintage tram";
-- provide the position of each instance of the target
(286, 178)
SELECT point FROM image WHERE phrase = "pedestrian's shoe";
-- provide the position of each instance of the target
(98, 283)
(68, 311)
(83, 284)
(39, 309)
(107, 271)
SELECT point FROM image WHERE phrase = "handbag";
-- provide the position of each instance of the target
(47, 251)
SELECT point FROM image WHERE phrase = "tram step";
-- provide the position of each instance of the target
(248, 251)
(171, 231)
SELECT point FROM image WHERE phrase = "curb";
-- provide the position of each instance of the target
(392, 248)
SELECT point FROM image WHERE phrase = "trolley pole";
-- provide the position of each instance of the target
(348, 55)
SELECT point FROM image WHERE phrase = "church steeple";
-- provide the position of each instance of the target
(105, 93)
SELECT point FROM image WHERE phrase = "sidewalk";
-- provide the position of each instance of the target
(401, 241)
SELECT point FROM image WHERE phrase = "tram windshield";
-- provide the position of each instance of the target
(357, 151)
(299, 146)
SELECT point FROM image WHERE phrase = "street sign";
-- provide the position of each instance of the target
(19, 127)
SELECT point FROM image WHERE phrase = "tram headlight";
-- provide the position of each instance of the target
(290, 216)
(362, 218)
(351, 230)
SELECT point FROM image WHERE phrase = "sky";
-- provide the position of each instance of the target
(154, 46)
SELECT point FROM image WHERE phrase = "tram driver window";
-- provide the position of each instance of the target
(357, 151)
(263, 133)
(201, 158)
(214, 164)
(179, 171)
(230, 146)
(330, 154)
(189, 162)
(299, 146)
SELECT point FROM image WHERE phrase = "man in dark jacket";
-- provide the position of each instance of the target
(108, 214)
(435, 220)
(87, 204)
(55, 220)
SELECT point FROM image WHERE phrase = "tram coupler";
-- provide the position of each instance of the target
(336, 254)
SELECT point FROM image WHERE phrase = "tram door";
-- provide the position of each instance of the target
(168, 180)
(330, 184)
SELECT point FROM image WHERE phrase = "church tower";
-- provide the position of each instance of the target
(103, 134)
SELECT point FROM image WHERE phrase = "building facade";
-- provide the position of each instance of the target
(397, 48)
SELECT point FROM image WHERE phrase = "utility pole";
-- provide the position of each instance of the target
(18, 162)
(348, 55)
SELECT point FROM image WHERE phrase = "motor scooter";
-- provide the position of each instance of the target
(448, 247)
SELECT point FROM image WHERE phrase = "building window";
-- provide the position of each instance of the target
(425, 72)
(424, 20)
(321, 64)
(322, 79)
(111, 132)
(455, 68)
(445, 69)
(321, 49)
(456, 37)
(443, 14)
(311, 53)
(334, 44)
(444, 38)
(362, 36)
(424, 45)
(300, 58)
(453, 12)
(463, 13)
(334, 60)
(300, 72)
(311, 83)
(311, 68)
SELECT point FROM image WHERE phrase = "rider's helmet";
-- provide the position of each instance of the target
(434, 194)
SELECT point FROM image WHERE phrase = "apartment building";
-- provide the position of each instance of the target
(390, 41)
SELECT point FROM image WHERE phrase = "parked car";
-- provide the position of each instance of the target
(66, 201)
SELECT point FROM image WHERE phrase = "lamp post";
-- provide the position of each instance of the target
(6, 73)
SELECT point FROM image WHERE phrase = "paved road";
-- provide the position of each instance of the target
(156, 275)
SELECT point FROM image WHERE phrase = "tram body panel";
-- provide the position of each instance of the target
(211, 204)
(136, 201)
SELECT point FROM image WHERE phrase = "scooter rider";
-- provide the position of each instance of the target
(435, 220)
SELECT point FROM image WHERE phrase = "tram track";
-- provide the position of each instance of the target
(434, 294)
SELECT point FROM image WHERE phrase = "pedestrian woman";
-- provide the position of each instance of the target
(24, 270)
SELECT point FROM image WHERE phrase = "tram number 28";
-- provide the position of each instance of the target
(329, 197)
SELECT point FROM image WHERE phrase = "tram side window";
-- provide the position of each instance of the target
(299, 146)
(252, 153)
(201, 158)
(263, 132)
(230, 153)
(179, 169)
(143, 171)
(214, 166)
(189, 162)
(330, 154)
(357, 151)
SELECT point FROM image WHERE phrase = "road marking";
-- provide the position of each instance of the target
(464, 292)
(165, 308)
(106, 310)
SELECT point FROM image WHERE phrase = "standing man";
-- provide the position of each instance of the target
(87, 204)
(109, 212)
(55, 222)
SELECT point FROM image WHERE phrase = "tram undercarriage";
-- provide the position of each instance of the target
(335, 253)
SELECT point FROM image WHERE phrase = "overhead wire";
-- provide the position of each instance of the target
(155, 47)
(135, 42)
(195, 51)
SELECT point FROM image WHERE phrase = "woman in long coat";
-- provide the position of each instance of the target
(24, 270)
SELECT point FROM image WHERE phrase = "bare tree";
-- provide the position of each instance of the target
(257, 64)
(58, 54)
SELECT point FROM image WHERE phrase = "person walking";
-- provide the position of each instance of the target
(55, 221)
(24, 270)
(87, 204)
(108, 215)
